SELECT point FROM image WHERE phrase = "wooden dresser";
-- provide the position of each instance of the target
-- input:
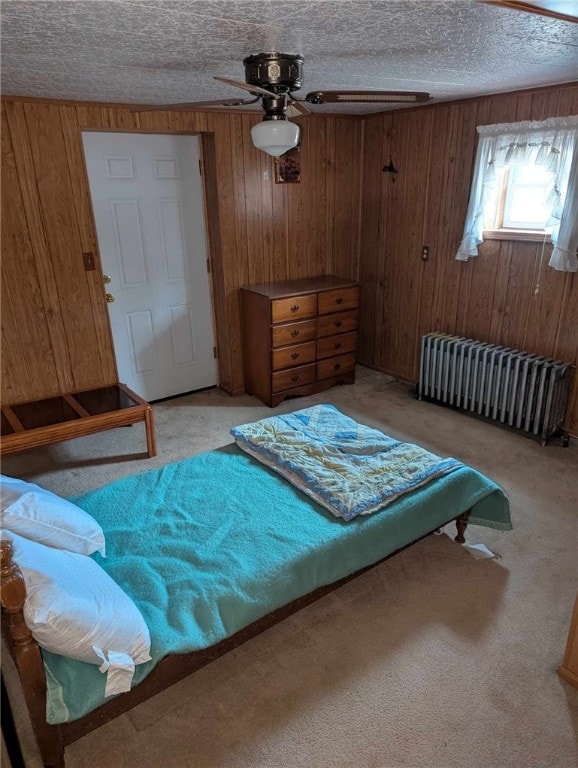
(299, 336)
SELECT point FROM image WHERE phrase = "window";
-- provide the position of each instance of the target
(520, 203)
(526, 197)
(525, 186)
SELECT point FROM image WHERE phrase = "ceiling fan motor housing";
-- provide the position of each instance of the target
(277, 72)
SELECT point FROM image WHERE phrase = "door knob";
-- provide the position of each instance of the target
(109, 298)
(106, 279)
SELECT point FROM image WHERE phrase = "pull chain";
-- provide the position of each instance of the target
(537, 288)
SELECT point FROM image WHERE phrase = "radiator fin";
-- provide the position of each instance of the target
(511, 386)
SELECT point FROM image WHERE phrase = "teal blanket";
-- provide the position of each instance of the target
(210, 544)
(347, 467)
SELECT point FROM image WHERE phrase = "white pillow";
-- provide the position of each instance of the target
(76, 609)
(43, 516)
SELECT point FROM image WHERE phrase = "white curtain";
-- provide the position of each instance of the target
(552, 144)
(564, 254)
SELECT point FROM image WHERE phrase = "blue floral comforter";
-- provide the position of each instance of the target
(347, 467)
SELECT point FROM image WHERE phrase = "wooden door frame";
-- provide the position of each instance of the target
(212, 229)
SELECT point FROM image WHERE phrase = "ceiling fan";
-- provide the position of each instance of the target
(272, 78)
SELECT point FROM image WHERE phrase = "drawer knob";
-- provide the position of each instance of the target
(337, 366)
(338, 323)
(339, 300)
(295, 377)
(295, 307)
(294, 333)
(294, 355)
(338, 345)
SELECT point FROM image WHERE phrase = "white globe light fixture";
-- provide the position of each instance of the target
(275, 136)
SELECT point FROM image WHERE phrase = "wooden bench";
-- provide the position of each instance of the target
(74, 414)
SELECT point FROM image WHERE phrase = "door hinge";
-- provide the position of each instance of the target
(201, 167)
(215, 352)
(209, 266)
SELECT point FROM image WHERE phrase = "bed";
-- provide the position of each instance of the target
(219, 547)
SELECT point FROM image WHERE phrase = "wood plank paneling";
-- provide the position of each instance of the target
(56, 198)
(344, 194)
(346, 216)
(83, 210)
(24, 186)
(433, 229)
(446, 287)
(517, 302)
(21, 288)
(508, 294)
(544, 315)
(485, 268)
(411, 236)
(456, 278)
(370, 256)
(298, 242)
(389, 239)
(223, 186)
(258, 231)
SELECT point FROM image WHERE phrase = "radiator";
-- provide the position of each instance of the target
(522, 390)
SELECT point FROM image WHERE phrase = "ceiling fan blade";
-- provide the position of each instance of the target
(246, 86)
(378, 97)
(555, 9)
(296, 108)
(193, 105)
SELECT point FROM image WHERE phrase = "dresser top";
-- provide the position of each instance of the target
(278, 290)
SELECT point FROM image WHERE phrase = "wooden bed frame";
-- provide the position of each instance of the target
(52, 739)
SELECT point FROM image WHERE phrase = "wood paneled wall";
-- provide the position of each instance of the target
(55, 330)
(506, 295)
(346, 217)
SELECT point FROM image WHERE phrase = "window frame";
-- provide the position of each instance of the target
(496, 229)
(560, 135)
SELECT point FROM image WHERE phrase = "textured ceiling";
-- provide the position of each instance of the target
(166, 51)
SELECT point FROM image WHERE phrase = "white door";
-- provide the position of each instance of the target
(148, 207)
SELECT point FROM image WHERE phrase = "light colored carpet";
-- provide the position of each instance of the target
(431, 660)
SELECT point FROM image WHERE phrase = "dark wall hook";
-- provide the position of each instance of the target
(389, 168)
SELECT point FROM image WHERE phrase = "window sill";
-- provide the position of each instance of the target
(526, 235)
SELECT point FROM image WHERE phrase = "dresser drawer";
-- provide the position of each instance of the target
(338, 323)
(336, 345)
(294, 377)
(293, 333)
(335, 366)
(296, 355)
(294, 308)
(332, 301)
